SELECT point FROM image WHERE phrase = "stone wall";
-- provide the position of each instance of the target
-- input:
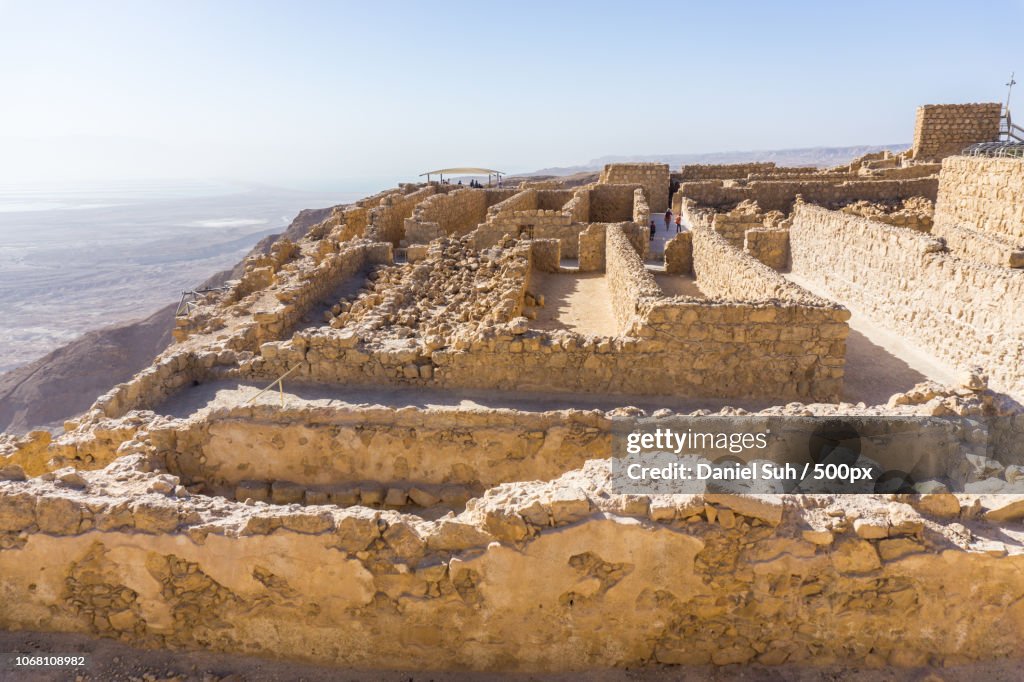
(579, 206)
(526, 200)
(554, 199)
(539, 577)
(725, 272)
(780, 195)
(641, 209)
(422, 233)
(542, 224)
(984, 195)
(353, 445)
(963, 312)
(679, 254)
(768, 245)
(386, 222)
(780, 343)
(653, 177)
(629, 282)
(293, 298)
(725, 171)
(611, 203)
(735, 224)
(941, 130)
(592, 248)
(546, 255)
(456, 212)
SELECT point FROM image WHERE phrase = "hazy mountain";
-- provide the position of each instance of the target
(823, 157)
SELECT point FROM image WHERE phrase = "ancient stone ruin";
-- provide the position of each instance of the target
(388, 445)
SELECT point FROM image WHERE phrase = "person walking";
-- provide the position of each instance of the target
(668, 220)
(679, 223)
(654, 228)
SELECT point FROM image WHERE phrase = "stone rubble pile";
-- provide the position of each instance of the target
(454, 289)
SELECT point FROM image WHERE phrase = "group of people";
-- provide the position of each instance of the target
(473, 183)
(668, 223)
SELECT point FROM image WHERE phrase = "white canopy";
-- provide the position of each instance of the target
(463, 171)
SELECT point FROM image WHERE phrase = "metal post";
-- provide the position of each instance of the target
(1009, 89)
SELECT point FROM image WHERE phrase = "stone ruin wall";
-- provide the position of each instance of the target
(704, 579)
(457, 212)
(787, 337)
(720, 579)
(592, 248)
(733, 225)
(357, 448)
(579, 206)
(679, 254)
(768, 245)
(611, 203)
(723, 171)
(942, 130)
(739, 171)
(629, 282)
(964, 312)
(780, 195)
(294, 297)
(546, 224)
(546, 255)
(542, 210)
(674, 347)
(351, 220)
(980, 208)
(386, 222)
(641, 208)
(653, 177)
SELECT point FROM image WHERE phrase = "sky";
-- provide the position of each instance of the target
(311, 95)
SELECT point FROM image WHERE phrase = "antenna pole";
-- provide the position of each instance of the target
(1009, 89)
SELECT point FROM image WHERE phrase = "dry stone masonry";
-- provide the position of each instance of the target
(425, 483)
(943, 130)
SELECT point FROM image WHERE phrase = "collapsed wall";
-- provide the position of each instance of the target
(454, 213)
(386, 222)
(962, 311)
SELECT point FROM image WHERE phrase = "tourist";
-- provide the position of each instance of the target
(653, 230)
(679, 223)
(668, 219)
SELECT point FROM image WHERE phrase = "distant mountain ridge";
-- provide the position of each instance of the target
(823, 157)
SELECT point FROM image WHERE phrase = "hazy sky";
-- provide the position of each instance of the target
(312, 94)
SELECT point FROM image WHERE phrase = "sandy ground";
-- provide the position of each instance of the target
(878, 361)
(676, 285)
(231, 393)
(578, 302)
(110, 661)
